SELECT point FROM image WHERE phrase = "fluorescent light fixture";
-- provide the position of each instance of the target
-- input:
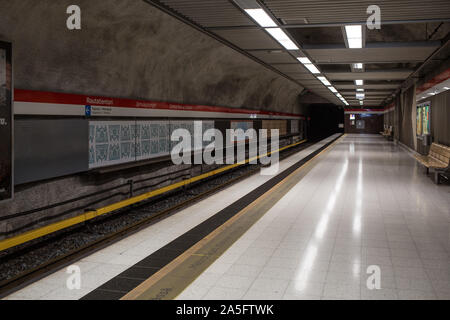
(312, 68)
(360, 90)
(304, 60)
(261, 17)
(446, 88)
(359, 82)
(358, 65)
(346, 103)
(355, 43)
(282, 38)
(354, 36)
(309, 65)
(332, 89)
(324, 81)
(361, 102)
(360, 96)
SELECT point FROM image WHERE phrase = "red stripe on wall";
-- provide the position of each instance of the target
(75, 99)
(436, 80)
(364, 110)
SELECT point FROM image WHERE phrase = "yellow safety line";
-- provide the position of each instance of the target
(34, 234)
(137, 292)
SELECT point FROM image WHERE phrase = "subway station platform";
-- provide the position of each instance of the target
(360, 202)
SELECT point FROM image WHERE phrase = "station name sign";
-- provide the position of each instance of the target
(6, 123)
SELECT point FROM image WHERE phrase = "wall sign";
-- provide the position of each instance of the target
(423, 119)
(6, 123)
(88, 111)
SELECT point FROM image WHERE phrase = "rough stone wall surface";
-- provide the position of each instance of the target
(129, 49)
(47, 193)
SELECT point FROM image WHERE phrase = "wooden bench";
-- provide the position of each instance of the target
(387, 133)
(437, 159)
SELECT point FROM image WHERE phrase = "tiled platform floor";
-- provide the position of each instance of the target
(367, 202)
(104, 265)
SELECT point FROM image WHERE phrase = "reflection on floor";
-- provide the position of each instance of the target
(367, 206)
(102, 266)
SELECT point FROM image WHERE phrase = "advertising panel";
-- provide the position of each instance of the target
(6, 123)
(423, 115)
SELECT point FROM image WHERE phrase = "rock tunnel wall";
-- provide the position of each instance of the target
(129, 49)
(125, 49)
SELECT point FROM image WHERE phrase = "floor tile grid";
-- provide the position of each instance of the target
(385, 223)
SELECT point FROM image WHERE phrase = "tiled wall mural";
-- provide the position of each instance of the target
(281, 125)
(116, 142)
(244, 125)
(111, 143)
(206, 126)
(295, 126)
(152, 139)
(189, 125)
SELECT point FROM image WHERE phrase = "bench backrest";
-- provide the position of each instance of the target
(440, 152)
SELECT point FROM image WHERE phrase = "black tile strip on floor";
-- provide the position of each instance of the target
(128, 280)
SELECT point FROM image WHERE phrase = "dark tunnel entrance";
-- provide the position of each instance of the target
(325, 120)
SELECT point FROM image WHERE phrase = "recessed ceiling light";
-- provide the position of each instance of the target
(304, 60)
(359, 82)
(360, 96)
(282, 38)
(312, 68)
(354, 36)
(360, 90)
(324, 81)
(261, 17)
(358, 65)
(332, 89)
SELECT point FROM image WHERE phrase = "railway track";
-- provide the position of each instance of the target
(22, 267)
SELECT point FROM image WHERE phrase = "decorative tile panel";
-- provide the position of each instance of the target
(152, 139)
(189, 125)
(116, 142)
(244, 125)
(295, 128)
(110, 143)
